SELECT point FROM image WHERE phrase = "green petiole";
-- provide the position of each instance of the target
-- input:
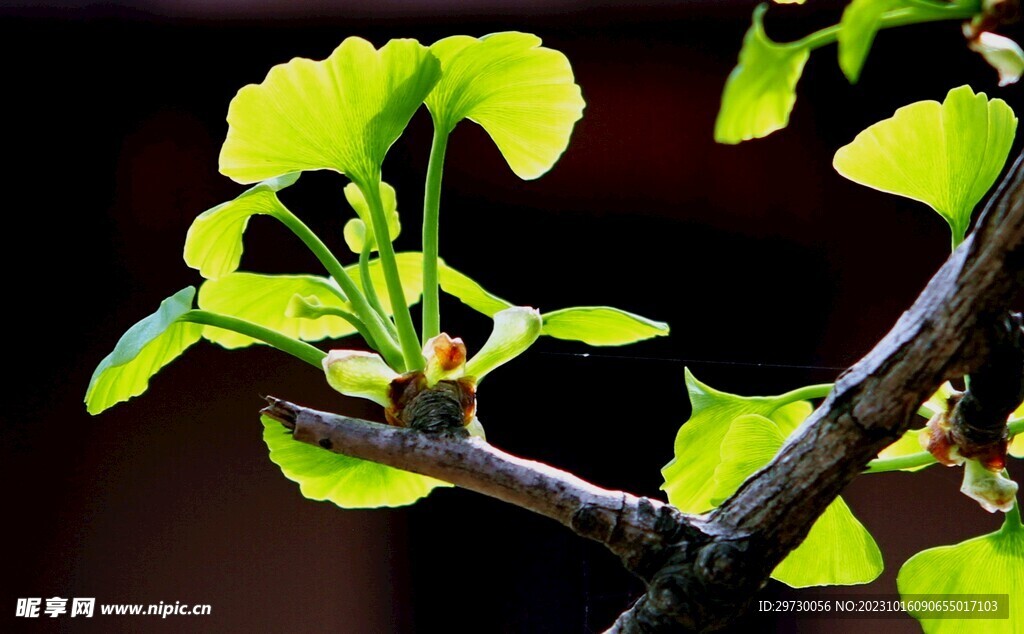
(371, 291)
(298, 349)
(920, 13)
(1012, 521)
(373, 322)
(431, 223)
(410, 345)
(924, 458)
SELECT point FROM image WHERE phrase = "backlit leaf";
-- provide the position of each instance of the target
(264, 299)
(522, 94)
(991, 564)
(348, 482)
(687, 477)
(601, 326)
(213, 245)
(838, 550)
(360, 230)
(342, 113)
(857, 29)
(515, 330)
(761, 90)
(945, 155)
(142, 351)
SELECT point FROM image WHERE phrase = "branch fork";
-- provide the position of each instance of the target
(702, 572)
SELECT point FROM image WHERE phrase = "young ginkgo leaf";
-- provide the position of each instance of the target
(601, 326)
(838, 550)
(213, 245)
(359, 231)
(989, 565)
(761, 91)
(341, 114)
(945, 155)
(345, 481)
(593, 325)
(265, 300)
(522, 94)
(142, 351)
(515, 330)
(857, 28)
(687, 482)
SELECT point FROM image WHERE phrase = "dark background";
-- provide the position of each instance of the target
(772, 270)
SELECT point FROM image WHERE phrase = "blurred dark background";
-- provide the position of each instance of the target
(772, 270)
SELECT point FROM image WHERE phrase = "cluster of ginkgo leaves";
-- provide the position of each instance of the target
(946, 155)
(343, 114)
(761, 91)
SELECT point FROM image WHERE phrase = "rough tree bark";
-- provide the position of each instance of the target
(702, 572)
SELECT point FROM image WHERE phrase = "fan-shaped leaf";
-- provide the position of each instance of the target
(141, 352)
(761, 90)
(945, 155)
(342, 113)
(348, 482)
(521, 93)
(989, 565)
(213, 245)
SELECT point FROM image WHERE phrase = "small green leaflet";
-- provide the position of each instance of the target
(142, 351)
(991, 564)
(348, 482)
(945, 155)
(761, 90)
(264, 300)
(213, 245)
(857, 29)
(522, 94)
(515, 330)
(359, 231)
(601, 326)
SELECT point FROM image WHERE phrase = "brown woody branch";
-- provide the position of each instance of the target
(634, 528)
(702, 573)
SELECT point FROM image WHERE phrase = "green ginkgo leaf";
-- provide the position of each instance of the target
(687, 477)
(213, 245)
(861, 21)
(601, 326)
(749, 443)
(761, 90)
(469, 291)
(359, 231)
(265, 300)
(346, 481)
(515, 330)
(593, 325)
(341, 114)
(838, 550)
(989, 565)
(522, 94)
(945, 155)
(142, 351)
